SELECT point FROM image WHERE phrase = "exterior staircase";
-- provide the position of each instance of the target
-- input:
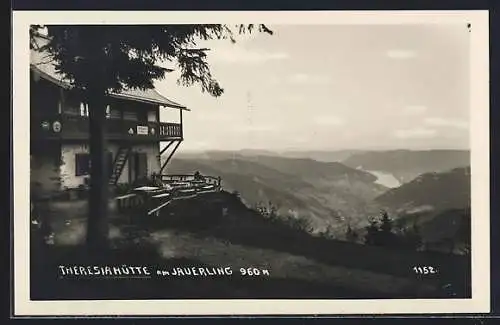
(119, 164)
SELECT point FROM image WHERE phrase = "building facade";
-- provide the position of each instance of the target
(59, 132)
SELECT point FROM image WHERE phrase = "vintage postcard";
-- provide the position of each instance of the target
(245, 163)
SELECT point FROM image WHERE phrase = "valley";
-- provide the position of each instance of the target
(414, 187)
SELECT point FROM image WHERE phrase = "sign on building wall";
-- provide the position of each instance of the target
(56, 126)
(142, 130)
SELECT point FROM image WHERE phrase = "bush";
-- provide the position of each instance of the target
(351, 235)
(328, 233)
(299, 223)
(380, 232)
(411, 238)
(270, 213)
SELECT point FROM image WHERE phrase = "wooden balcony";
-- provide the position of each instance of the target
(71, 127)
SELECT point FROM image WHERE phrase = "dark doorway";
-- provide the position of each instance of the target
(138, 166)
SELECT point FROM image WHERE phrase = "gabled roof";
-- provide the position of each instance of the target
(40, 63)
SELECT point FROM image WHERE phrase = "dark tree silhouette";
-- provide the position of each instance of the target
(372, 233)
(411, 238)
(380, 232)
(464, 231)
(97, 59)
(386, 235)
(351, 235)
(386, 223)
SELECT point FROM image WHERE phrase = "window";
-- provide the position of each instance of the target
(71, 106)
(130, 115)
(84, 109)
(152, 116)
(115, 113)
(82, 163)
(142, 116)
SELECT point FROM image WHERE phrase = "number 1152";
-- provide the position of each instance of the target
(424, 270)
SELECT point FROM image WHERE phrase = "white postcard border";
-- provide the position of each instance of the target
(479, 117)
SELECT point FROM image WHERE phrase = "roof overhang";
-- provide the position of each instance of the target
(47, 71)
(166, 102)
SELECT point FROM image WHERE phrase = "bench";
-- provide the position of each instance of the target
(187, 191)
(159, 196)
(185, 194)
(207, 189)
(125, 200)
(156, 210)
(157, 192)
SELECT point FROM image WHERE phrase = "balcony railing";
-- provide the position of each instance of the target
(64, 126)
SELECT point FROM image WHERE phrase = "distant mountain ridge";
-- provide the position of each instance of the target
(431, 191)
(318, 155)
(328, 194)
(406, 165)
(438, 203)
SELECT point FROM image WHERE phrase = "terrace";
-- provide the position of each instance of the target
(151, 199)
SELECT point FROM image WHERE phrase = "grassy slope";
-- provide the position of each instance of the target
(194, 233)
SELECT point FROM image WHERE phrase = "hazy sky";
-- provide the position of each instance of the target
(333, 87)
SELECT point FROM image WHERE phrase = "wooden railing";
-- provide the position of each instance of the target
(172, 129)
(77, 127)
(211, 180)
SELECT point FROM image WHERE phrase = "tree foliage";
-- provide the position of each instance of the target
(351, 235)
(411, 237)
(464, 232)
(372, 233)
(271, 213)
(381, 232)
(131, 56)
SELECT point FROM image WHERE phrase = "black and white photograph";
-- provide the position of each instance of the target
(325, 162)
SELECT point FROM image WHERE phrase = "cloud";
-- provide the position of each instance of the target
(212, 116)
(292, 98)
(441, 122)
(272, 81)
(302, 78)
(301, 140)
(250, 127)
(414, 110)
(328, 120)
(415, 133)
(401, 54)
(238, 54)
